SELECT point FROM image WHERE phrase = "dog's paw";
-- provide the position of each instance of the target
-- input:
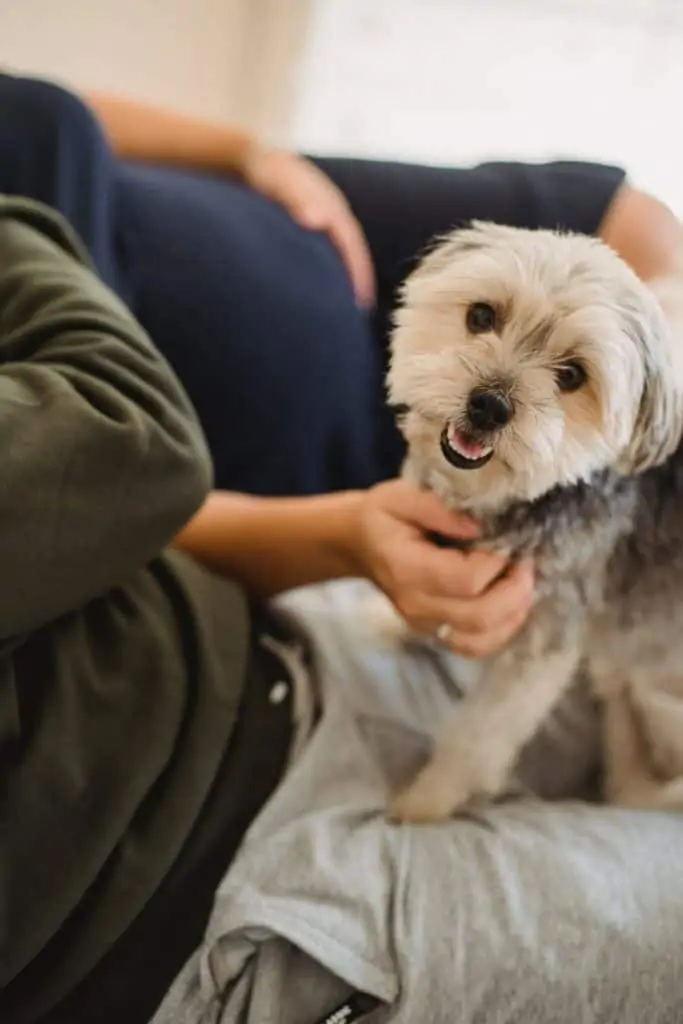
(650, 795)
(432, 796)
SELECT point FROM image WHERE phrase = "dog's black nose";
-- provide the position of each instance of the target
(488, 410)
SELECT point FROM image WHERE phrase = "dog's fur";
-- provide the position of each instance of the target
(590, 483)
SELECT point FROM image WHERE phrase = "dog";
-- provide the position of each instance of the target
(540, 384)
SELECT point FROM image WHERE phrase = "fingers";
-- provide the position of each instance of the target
(424, 510)
(477, 646)
(494, 606)
(432, 584)
(481, 625)
(318, 205)
(482, 596)
(473, 645)
(335, 219)
(478, 615)
(463, 574)
(330, 212)
(347, 235)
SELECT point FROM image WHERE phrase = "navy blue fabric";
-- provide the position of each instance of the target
(53, 150)
(258, 318)
(256, 314)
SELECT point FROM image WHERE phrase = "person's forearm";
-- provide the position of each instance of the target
(649, 237)
(275, 544)
(646, 234)
(140, 131)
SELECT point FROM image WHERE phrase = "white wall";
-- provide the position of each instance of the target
(449, 81)
(229, 59)
(457, 81)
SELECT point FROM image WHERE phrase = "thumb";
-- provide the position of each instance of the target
(427, 512)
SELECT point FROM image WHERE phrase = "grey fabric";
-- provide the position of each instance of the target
(526, 912)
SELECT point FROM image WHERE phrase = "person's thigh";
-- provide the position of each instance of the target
(258, 318)
(127, 984)
(256, 315)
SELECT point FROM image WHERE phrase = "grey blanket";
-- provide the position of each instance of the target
(526, 912)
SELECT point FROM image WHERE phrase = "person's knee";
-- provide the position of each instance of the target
(53, 150)
(46, 113)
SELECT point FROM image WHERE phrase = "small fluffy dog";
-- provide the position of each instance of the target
(541, 389)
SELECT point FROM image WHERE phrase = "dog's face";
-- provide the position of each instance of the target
(528, 359)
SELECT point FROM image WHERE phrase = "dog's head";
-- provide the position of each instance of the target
(527, 359)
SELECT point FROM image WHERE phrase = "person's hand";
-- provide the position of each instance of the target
(483, 599)
(315, 202)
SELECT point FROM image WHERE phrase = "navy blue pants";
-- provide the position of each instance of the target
(257, 315)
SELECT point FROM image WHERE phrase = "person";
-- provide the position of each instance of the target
(138, 731)
(138, 734)
(221, 247)
(144, 720)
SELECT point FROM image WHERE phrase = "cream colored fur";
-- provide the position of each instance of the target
(570, 481)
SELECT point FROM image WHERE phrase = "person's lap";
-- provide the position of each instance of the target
(524, 911)
(256, 315)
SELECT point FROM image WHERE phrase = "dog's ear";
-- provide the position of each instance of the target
(444, 249)
(658, 342)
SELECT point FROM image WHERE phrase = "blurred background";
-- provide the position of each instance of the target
(444, 81)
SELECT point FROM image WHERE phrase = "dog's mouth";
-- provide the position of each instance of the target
(463, 450)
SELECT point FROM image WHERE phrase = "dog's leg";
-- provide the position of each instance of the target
(481, 742)
(626, 770)
(631, 763)
(658, 707)
(661, 796)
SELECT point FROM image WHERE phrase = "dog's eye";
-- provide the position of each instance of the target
(570, 377)
(481, 318)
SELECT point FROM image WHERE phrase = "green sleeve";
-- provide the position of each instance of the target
(102, 459)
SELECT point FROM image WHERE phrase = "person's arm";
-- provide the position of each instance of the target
(649, 237)
(645, 233)
(142, 132)
(102, 460)
(274, 544)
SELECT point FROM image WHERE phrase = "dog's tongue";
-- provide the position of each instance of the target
(466, 445)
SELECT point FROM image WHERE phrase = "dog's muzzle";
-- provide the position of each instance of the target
(488, 411)
(462, 451)
(469, 446)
